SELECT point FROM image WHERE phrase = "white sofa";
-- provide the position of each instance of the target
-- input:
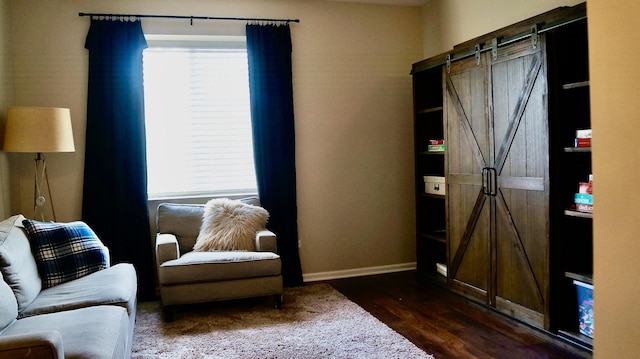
(90, 317)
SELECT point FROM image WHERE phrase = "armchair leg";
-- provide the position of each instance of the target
(278, 301)
(167, 313)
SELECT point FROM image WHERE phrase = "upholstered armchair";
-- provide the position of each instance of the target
(187, 276)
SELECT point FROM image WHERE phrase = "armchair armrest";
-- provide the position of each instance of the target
(46, 344)
(266, 241)
(166, 248)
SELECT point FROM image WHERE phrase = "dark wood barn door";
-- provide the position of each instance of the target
(497, 178)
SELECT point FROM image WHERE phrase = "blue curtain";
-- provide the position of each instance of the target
(270, 82)
(115, 177)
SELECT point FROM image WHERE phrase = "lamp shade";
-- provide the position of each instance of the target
(38, 129)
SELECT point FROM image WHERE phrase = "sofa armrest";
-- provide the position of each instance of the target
(166, 248)
(46, 344)
(266, 241)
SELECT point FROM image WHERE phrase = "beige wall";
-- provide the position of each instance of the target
(450, 22)
(6, 98)
(615, 82)
(353, 108)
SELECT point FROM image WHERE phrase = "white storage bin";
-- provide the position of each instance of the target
(434, 185)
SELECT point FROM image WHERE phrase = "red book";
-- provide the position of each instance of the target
(585, 187)
(583, 142)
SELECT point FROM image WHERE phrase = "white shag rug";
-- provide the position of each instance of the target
(316, 321)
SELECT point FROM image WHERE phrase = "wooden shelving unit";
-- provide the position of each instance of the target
(571, 231)
(444, 86)
(430, 208)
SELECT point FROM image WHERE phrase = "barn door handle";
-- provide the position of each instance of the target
(489, 181)
(486, 181)
(493, 182)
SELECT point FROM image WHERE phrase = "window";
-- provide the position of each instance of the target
(198, 123)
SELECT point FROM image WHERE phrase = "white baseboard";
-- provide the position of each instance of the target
(358, 272)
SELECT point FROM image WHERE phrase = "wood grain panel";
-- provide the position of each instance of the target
(468, 152)
(520, 122)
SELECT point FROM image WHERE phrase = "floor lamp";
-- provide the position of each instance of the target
(39, 130)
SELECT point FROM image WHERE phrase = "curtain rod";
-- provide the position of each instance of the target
(191, 18)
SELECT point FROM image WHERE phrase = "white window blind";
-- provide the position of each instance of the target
(198, 123)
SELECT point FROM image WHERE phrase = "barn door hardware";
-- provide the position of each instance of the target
(534, 36)
(494, 48)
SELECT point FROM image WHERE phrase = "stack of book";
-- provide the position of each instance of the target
(435, 146)
(584, 198)
(583, 138)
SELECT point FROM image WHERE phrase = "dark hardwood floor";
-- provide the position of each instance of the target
(445, 324)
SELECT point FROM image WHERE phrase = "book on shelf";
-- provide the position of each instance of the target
(442, 269)
(583, 198)
(582, 142)
(584, 207)
(586, 133)
(585, 187)
(435, 146)
(583, 138)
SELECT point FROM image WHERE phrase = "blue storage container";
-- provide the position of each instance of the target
(585, 307)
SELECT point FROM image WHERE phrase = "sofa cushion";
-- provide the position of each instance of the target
(17, 263)
(116, 285)
(8, 305)
(194, 267)
(99, 332)
(65, 251)
(230, 225)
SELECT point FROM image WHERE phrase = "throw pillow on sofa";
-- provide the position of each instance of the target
(65, 251)
(230, 225)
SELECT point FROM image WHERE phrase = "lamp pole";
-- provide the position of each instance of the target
(41, 177)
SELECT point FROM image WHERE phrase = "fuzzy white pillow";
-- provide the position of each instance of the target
(230, 225)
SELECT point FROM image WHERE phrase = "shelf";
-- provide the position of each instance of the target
(585, 278)
(429, 110)
(575, 85)
(429, 153)
(577, 149)
(429, 195)
(573, 213)
(438, 236)
(577, 338)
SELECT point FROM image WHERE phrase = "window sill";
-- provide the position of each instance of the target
(203, 198)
